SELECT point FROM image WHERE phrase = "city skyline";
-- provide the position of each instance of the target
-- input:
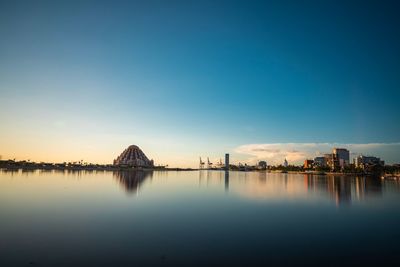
(199, 133)
(273, 154)
(188, 79)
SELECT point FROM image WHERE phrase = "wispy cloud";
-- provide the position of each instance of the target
(295, 153)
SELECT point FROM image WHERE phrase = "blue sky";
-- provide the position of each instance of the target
(188, 78)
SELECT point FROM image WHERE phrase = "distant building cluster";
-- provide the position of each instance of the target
(364, 161)
(339, 159)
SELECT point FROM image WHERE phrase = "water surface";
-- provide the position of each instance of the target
(204, 218)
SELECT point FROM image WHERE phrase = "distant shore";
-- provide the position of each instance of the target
(118, 168)
(25, 165)
(10, 165)
(93, 169)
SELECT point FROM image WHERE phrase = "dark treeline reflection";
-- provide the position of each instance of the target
(132, 180)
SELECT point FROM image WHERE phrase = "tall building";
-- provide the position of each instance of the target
(227, 162)
(341, 158)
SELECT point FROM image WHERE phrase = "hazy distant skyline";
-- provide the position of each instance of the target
(183, 79)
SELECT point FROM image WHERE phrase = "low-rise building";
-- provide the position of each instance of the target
(308, 164)
(320, 162)
(330, 162)
(364, 161)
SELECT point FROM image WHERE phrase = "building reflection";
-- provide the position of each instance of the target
(344, 189)
(341, 189)
(210, 177)
(132, 180)
(226, 180)
(368, 186)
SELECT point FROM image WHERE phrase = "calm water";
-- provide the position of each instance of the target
(196, 218)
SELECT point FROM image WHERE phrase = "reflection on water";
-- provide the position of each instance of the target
(204, 218)
(226, 180)
(344, 189)
(132, 180)
(262, 185)
(208, 178)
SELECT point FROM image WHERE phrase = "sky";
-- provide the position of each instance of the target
(82, 80)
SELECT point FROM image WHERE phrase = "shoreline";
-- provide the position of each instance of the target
(95, 169)
(119, 168)
(89, 168)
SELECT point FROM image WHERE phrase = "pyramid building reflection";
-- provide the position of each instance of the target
(132, 180)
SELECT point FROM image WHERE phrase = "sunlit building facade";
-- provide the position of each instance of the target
(364, 161)
(308, 164)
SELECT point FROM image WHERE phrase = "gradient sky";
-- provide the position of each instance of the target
(182, 79)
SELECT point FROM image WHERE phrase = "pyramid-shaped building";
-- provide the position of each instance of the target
(133, 156)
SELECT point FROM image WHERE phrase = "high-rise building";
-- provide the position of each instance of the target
(227, 161)
(341, 157)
